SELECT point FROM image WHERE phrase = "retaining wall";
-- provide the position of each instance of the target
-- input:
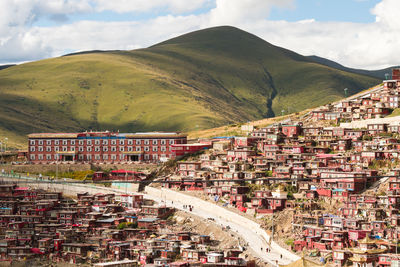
(42, 168)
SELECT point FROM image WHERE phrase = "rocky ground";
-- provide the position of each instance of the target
(225, 239)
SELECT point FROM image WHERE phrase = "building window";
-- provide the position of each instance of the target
(163, 149)
(121, 142)
(56, 142)
(146, 157)
(114, 142)
(81, 149)
(138, 148)
(105, 157)
(138, 142)
(155, 142)
(48, 156)
(146, 142)
(32, 148)
(80, 142)
(105, 142)
(130, 148)
(97, 142)
(122, 157)
(97, 149)
(163, 142)
(113, 148)
(114, 157)
(56, 148)
(97, 157)
(32, 157)
(146, 148)
(64, 148)
(73, 142)
(155, 149)
(130, 142)
(32, 142)
(89, 142)
(48, 142)
(72, 148)
(64, 142)
(121, 148)
(155, 157)
(89, 157)
(171, 142)
(89, 149)
(40, 149)
(105, 148)
(48, 148)
(40, 142)
(40, 157)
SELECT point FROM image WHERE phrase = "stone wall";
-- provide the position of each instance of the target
(42, 168)
(364, 123)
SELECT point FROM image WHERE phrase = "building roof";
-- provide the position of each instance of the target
(302, 262)
(53, 135)
(101, 134)
(154, 134)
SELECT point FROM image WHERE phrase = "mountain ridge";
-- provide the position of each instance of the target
(199, 80)
(379, 73)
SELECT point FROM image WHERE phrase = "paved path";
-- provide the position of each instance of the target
(249, 230)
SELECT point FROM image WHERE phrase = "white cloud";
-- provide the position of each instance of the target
(94, 35)
(173, 6)
(240, 11)
(363, 45)
(387, 13)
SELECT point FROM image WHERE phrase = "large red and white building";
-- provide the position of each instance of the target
(107, 147)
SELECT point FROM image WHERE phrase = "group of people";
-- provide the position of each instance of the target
(269, 250)
(190, 207)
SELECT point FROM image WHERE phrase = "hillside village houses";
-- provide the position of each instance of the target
(295, 165)
(100, 230)
(315, 162)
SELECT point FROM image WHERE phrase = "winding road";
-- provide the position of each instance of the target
(249, 230)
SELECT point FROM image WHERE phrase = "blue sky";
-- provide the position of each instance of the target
(327, 10)
(356, 33)
(320, 10)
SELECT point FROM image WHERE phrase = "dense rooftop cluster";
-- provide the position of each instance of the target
(296, 165)
(101, 230)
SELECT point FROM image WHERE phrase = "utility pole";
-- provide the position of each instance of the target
(273, 227)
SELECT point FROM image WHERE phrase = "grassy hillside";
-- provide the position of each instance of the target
(196, 81)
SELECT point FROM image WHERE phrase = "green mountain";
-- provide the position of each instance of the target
(380, 74)
(198, 80)
(6, 66)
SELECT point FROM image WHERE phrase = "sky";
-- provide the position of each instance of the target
(356, 33)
